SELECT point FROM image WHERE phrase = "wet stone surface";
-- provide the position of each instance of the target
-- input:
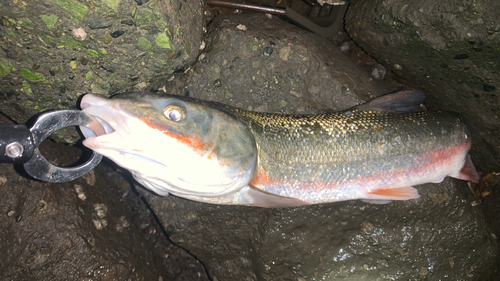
(303, 73)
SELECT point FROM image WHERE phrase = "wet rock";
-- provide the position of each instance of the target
(303, 61)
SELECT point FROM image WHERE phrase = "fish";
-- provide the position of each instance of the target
(214, 153)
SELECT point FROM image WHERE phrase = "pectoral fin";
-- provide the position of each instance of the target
(255, 197)
(249, 196)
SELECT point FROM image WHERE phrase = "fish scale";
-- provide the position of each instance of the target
(301, 153)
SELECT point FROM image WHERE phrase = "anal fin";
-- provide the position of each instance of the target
(399, 193)
(376, 202)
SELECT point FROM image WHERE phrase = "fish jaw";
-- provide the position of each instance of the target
(134, 133)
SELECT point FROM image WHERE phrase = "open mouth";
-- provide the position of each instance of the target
(97, 127)
(109, 121)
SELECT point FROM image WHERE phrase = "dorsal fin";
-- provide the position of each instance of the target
(399, 102)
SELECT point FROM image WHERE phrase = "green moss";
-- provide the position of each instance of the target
(33, 76)
(153, 5)
(144, 18)
(5, 67)
(161, 24)
(144, 43)
(92, 53)
(187, 48)
(112, 4)
(50, 21)
(89, 76)
(26, 23)
(103, 51)
(75, 9)
(48, 40)
(27, 103)
(163, 41)
(11, 33)
(70, 42)
(27, 88)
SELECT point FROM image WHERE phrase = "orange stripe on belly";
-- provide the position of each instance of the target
(426, 162)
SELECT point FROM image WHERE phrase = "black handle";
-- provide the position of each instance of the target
(16, 144)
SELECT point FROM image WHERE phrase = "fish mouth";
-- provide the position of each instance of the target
(108, 122)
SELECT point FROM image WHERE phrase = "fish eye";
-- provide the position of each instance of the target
(174, 113)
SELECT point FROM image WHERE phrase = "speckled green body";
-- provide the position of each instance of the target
(339, 156)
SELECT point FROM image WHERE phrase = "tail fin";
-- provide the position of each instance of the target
(468, 172)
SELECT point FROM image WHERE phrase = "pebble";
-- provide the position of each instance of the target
(117, 33)
(461, 56)
(98, 24)
(109, 68)
(489, 87)
(268, 51)
(107, 38)
(84, 60)
(217, 83)
(129, 22)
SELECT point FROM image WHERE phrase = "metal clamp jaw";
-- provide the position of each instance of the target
(18, 144)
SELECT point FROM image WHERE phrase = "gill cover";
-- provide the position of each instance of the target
(172, 144)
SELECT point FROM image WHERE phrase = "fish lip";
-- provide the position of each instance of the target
(107, 117)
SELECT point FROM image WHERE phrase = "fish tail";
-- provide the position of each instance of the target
(468, 172)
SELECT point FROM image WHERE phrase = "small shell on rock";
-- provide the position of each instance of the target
(79, 34)
(140, 86)
(241, 27)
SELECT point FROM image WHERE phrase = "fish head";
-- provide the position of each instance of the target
(172, 144)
